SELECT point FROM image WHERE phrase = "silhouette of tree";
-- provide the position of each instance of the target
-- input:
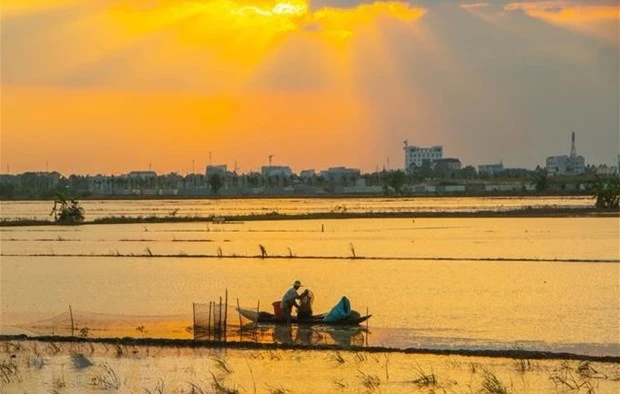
(215, 183)
(606, 192)
(67, 211)
(540, 181)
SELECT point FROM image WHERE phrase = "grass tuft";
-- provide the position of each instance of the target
(371, 382)
(104, 378)
(424, 379)
(492, 385)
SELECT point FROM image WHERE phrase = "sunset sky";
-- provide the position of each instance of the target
(110, 86)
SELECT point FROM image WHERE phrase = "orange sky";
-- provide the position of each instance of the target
(118, 85)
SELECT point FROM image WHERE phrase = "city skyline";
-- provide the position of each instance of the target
(113, 86)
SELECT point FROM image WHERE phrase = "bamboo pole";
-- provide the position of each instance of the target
(257, 314)
(219, 322)
(226, 315)
(209, 322)
(367, 326)
(239, 310)
(194, 317)
(72, 323)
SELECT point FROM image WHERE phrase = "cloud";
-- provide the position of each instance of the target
(468, 6)
(507, 80)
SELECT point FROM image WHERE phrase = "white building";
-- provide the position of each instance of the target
(144, 175)
(566, 165)
(279, 171)
(341, 175)
(490, 169)
(417, 156)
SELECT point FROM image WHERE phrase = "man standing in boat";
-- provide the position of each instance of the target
(289, 301)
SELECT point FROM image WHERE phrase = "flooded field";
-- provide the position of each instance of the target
(87, 367)
(96, 209)
(491, 283)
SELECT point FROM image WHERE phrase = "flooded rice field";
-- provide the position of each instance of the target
(444, 283)
(79, 368)
(96, 209)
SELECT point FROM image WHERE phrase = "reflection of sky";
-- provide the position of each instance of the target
(227, 207)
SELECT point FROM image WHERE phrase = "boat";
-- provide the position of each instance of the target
(270, 318)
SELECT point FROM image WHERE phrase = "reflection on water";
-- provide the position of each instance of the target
(234, 207)
(414, 302)
(299, 335)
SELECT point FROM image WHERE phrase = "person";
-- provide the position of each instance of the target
(289, 300)
(305, 304)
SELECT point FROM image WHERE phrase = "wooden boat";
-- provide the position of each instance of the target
(270, 318)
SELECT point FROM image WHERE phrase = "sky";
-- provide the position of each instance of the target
(111, 86)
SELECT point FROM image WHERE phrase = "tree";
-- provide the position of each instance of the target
(67, 211)
(215, 183)
(540, 180)
(606, 192)
(396, 180)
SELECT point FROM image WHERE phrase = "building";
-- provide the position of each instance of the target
(143, 175)
(220, 169)
(490, 169)
(276, 171)
(341, 175)
(566, 165)
(604, 170)
(417, 156)
(447, 163)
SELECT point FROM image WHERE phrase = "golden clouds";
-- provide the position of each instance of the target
(567, 13)
(600, 20)
(275, 16)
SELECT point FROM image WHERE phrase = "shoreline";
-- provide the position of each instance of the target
(527, 212)
(246, 345)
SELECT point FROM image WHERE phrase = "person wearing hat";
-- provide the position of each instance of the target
(289, 300)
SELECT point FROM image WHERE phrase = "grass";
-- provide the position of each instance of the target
(424, 379)
(104, 378)
(159, 388)
(9, 372)
(221, 363)
(220, 388)
(371, 382)
(336, 357)
(277, 390)
(566, 380)
(492, 385)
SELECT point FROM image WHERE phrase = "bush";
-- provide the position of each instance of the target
(67, 211)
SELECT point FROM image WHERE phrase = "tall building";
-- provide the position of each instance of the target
(567, 165)
(417, 156)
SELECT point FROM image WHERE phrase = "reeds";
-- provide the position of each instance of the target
(9, 372)
(104, 378)
(424, 379)
(371, 382)
(492, 385)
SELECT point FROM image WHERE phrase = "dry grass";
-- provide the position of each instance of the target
(492, 385)
(336, 357)
(9, 372)
(159, 388)
(220, 388)
(221, 364)
(371, 382)
(424, 379)
(565, 379)
(103, 377)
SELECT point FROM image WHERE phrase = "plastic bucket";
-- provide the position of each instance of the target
(277, 309)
